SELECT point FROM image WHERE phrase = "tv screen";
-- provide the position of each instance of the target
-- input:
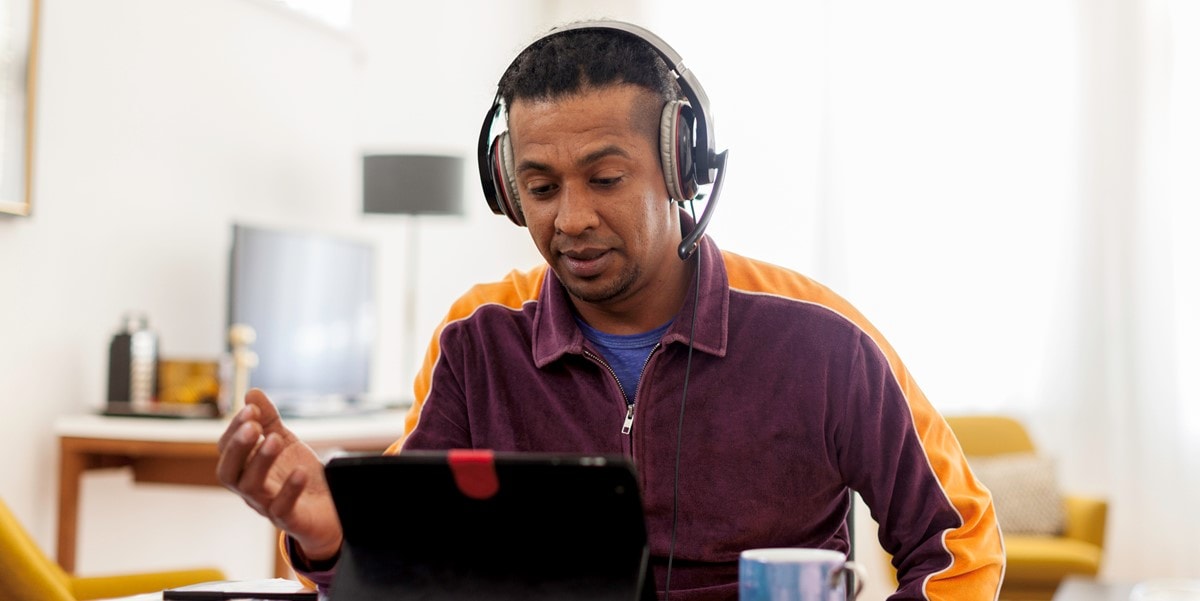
(310, 298)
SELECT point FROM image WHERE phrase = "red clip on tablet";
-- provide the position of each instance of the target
(474, 472)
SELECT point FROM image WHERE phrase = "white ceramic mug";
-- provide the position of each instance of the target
(792, 574)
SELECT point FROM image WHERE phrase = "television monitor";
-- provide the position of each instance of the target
(310, 298)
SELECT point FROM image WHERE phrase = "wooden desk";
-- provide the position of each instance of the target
(179, 451)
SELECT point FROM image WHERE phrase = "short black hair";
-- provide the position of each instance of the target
(562, 64)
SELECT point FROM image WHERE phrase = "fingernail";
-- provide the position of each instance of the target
(270, 446)
(245, 433)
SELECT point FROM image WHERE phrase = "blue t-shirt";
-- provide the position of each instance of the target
(625, 354)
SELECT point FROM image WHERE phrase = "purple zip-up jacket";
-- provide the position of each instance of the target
(793, 399)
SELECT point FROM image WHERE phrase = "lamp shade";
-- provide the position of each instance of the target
(412, 184)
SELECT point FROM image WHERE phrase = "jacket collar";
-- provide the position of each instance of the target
(555, 332)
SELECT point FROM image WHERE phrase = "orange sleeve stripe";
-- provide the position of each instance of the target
(976, 547)
(513, 291)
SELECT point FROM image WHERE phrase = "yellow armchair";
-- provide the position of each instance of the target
(1036, 563)
(26, 573)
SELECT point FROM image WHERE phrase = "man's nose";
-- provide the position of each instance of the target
(576, 210)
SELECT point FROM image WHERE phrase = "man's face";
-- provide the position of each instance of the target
(592, 190)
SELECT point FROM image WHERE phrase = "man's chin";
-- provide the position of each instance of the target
(589, 292)
(604, 287)
(597, 290)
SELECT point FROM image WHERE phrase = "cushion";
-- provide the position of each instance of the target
(1025, 490)
(1047, 559)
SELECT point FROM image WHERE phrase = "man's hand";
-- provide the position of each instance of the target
(280, 477)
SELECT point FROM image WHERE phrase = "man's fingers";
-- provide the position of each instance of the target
(284, 503)
(252, 462)
(257, 469)
(268, 415)
(324, 535)
(243, 416)
(239, 443)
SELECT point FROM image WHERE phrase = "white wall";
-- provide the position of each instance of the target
(159, 123)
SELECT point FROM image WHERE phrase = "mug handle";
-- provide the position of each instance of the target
(860, 575)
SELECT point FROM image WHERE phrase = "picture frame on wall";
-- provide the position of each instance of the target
(18, 78)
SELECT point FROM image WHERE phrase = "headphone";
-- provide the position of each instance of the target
(686, 144)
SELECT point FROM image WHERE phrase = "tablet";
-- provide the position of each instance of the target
(478, 525)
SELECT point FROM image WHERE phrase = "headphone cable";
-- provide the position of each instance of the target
(679, 428)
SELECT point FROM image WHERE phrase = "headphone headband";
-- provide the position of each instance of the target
(688, 84)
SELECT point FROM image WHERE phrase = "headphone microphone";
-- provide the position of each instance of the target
(686, 142)
(692, 241)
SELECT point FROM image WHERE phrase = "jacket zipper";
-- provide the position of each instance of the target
(627, 425)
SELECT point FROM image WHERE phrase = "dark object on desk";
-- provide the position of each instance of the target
(133, 364)
(488, 526)
(171, 410)
(275, 588)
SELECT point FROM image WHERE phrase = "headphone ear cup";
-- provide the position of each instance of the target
(505, 179)
(675, 147)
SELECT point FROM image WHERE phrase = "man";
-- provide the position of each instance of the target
(761, 395)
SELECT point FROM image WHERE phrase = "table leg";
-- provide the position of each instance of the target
(70, 475)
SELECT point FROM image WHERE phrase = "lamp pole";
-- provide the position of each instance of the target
(412, 185)
(412, 262)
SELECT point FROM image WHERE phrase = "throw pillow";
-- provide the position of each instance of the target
(1025, 490)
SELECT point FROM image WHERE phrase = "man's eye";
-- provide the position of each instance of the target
(542, 189)
(607, 182)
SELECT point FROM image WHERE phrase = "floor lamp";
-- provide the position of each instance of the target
(412, 185)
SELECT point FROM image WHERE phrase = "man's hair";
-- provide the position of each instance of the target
(562, 64)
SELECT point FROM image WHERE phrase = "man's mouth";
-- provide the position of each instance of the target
(586, 262)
